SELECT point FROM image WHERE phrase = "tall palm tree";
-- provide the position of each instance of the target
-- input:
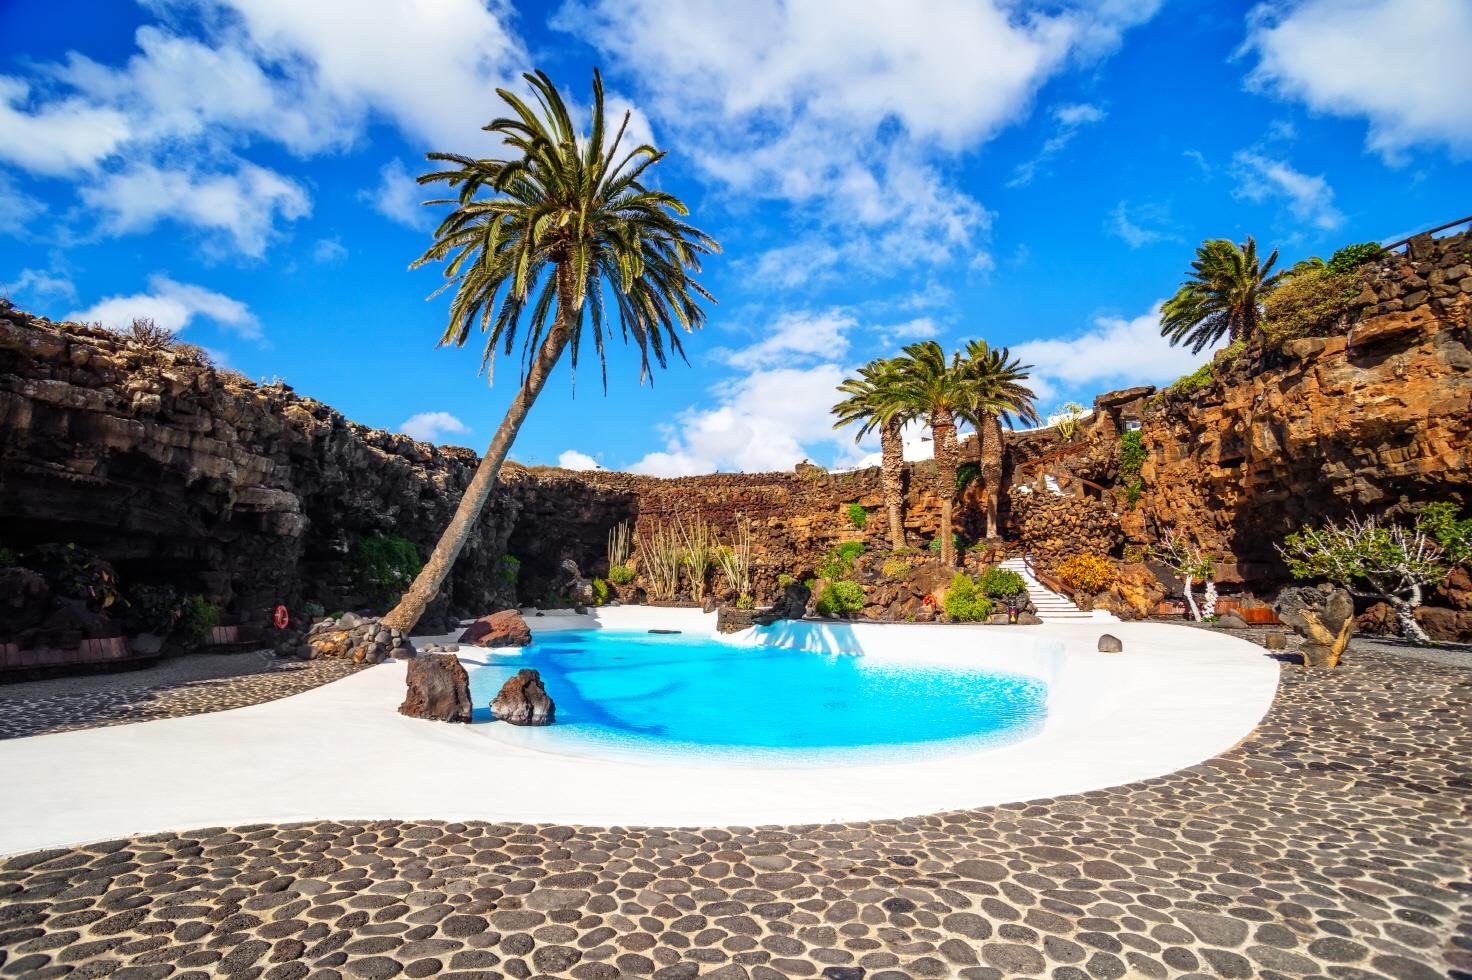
(542, 233)
(872, 404)
(930, 385)
(997, 394)
(1222, 297)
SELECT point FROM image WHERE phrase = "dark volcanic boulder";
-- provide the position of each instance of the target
(523, 701)
(1323, 616)
(503, 629)
(438, 689)
(792, 604)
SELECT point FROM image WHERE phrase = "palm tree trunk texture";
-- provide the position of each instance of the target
(432, 576)
(943, 432)
(891, 476)
(991, 469)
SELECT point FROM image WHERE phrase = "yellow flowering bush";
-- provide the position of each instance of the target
(1086, 573)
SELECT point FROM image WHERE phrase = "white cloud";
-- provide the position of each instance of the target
(40, 285)
(1309, 198)
(1114, 353)
(1124, 226)
(17, 208)
(243, 205)
(397, 197)
(571, 459)
(172, 305)
(846, 116)
(432, 426)
(1400, 64)
(796, 337)
(55, 137)
(328, 251)
(1067, 121)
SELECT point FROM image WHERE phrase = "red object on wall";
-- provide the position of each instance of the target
(282, 618)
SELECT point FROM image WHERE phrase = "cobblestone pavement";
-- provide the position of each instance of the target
(1333, 842)
(69, 711)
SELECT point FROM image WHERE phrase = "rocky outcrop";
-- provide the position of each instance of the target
(363, 640)
(791, 604)
(502, 629)
(1134, 594)
(524, 701)
(1323, 617)
(1054, 527)
(438, 689)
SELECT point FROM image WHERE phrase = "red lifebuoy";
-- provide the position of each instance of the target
(282, 617)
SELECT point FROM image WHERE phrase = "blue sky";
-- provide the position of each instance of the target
(1037, 175)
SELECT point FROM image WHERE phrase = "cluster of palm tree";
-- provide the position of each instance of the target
(1222, 295)
(980, 385)
(535, 240)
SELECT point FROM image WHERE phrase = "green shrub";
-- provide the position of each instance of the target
(1132, 454)
(600, 592)
(7, 558)
(1309, 304)
(1223, 359)
(1351, 257)
(839, 562)
(784, 580)
(857, 515)
(510, 569)
(810, 583)
(935, 543)
(620, 574)
(965, 600)
(314, 611)
(839, 598)
(965, 473)
(197, 617)
(1133, 491)
(745, 601)
(1191, 383)
(384, 565)
(1001, 583)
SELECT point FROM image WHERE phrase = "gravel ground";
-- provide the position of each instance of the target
(1333, 842)
(171, 688)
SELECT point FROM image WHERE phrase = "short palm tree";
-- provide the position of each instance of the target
(533, 241)
(1223, 296)
(872, 405)
(930, 385)
(997, 394)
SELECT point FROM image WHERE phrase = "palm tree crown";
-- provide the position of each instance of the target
(996, 386)
(871, 404)
(573, 207)
(1222, 297)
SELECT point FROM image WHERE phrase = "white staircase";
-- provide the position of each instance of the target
(1052, 607)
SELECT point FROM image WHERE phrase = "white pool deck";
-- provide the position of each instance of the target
(1175, 697)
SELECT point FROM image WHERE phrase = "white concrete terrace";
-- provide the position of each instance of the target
(1175, 697)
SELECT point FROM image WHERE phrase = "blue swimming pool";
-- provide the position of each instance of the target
(635, 694)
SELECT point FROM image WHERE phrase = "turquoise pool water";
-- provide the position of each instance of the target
(636, 694)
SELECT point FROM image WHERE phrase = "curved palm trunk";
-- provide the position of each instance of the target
(990, 435)
(432, 576)
(943, 431)
(891, 478)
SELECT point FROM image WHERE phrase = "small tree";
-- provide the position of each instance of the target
(1190, 564)
(1389, 562)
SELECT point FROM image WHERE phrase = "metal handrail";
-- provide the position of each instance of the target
(1048, 580)
(1449, 224)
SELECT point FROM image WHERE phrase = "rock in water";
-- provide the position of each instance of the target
(439, 689)
(792, 604)
(503, 629)
(1323, 616)
(523, 701)
(1109, 643)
